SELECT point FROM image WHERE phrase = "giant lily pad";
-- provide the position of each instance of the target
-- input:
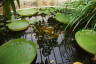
(18, 25)
(87, 40)
(27, 12)
(18, 51)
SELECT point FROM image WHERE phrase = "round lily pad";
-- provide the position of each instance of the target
(63, 18)
(46, 11)
(27, 12)
(18, 25)
(18, 51)
(87, 40)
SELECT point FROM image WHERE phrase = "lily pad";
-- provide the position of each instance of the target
(18, 25)
(18, 51)
(87, 40)
(46, 11)
(63, 18)
(27, 12)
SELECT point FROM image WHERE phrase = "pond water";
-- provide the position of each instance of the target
(60, 49)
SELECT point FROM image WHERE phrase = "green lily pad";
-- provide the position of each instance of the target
(18, 51)
(87, 40)
(18, 25)
(63, 18)
(46, 11)
(27, 12)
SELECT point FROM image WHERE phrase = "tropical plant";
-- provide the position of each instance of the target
(87, 19)
(80, 12)
(82, 15)
(8, 6)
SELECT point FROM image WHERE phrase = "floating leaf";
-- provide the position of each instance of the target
(46, 11)
(63, 18)
(87, 40)
(18, 25)
(27, 12)
(18, 51)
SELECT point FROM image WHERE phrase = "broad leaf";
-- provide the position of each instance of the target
(46, 11)
(18, 25)
(64, 18)
(87, 40)
(27, 12)
(18, 51)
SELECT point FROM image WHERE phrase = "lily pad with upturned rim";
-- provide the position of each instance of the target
(27, 12)
(18, 51)
(87, 40)
(18, 25)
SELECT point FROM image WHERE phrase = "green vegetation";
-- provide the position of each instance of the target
(87, 40)
(18, 25)
(27, 12)
(79, 17)
(18, 51)
(64, 18)
(7, 6)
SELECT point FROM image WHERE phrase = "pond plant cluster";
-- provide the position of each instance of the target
(76, 18)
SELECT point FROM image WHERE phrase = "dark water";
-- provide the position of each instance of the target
(56, 50)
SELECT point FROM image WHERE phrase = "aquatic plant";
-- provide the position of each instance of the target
(87, 40)
(18, 51)
(18, 25)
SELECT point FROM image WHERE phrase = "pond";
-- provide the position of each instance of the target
(56, 48)
(54, 44)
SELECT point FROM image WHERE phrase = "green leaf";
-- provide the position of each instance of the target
(6, 9)
(8, 5)
(46, 11)
(13, 6)
(18, 51)
(87, 40)
(27, 12)
(18, 25)
(64, 18)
